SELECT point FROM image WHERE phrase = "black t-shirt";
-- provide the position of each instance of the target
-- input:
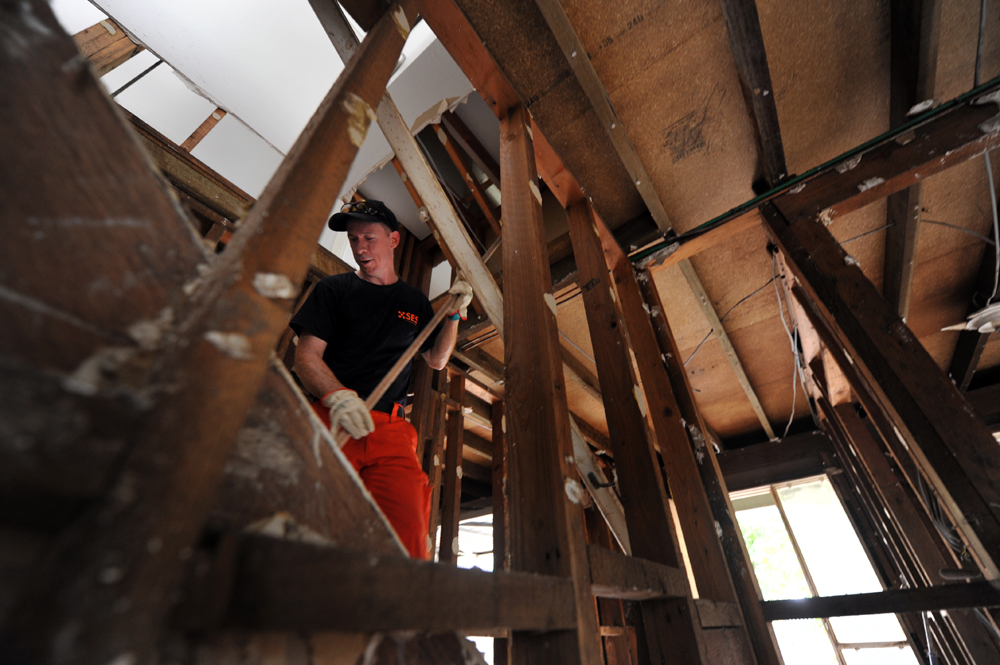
(366, 327)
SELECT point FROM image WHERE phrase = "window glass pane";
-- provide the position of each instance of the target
(880, 656)
(828, 542)
(804, 642)
(771, 553)
(870, 628)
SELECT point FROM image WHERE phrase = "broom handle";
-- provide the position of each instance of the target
(404, 360)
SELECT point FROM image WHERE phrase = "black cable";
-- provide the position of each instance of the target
(143, 73)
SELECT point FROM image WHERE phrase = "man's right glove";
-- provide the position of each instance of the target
(463, 290)
(348, 412)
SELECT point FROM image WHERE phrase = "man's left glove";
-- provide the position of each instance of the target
(463, 290)
(347, 411)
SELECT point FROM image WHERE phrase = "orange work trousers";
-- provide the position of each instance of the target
(387, 462)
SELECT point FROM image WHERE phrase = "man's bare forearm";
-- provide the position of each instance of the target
(437, 356)
(315, 374)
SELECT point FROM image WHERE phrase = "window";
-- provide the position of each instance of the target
(802, 544)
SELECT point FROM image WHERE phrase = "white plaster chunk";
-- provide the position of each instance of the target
(234, 345)
(458, 472)
(640, 399)
(534, 191)
(991, 98)
(148, 333)
(826, 216)
(797, 188)
(359, 118)
(402, 25)
(93, 372)
(920, 107)
(574, 491)
(991, 126)
(274, 285)
(550, 300)
(871, 182)
(848, 164)
(718, 529)
(851, 261)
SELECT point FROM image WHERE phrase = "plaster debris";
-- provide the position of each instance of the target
(282, 525)
(574, 491)
(274, 285)
(640, 399)
(645, 306)
(531, 134)
(234, 345)
(402, 25)
(437, 461)
(718, 529)
(851, 261)
(534, 191)
(797, 188)
(696, 436)
(550, 300)
(655, 312)
(906, 137)
(458, 472)
(359, 118)
(871, 182)
(149, 333)
(991, 98)
(991, 126)
(124, 658)
(425, 216)
(848, 164)
(826, 216)
(920, 107)
(97, 370)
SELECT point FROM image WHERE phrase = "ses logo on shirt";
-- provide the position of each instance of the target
(406, 316)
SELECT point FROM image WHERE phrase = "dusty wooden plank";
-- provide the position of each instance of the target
(914, 35)
(229, 332)
(105, 46)
(203, 129)
(670, 626)
(798, 456)
(447, 228)
(747, 43)
(284, 585)
(952, 447)
(740, 569)
(896, 601)
(616, 575)
(190, 175)
(546, 526)
(727, 346)
(718, 614)
(470, 181)
(467, 141)
(579, 61)
(451, 491)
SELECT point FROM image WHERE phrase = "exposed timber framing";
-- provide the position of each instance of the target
(543, 519)
(952, 448)
(647, 513)
(747, 42)
(913, 64)
(447, 227)
(470, 180)
(467, 141)
(203, 129)
(798, 456)
(229, 332)
(579, 61)
(105, 46)
(451, 491)
(971, 343)
(896, 601)
(727, 346)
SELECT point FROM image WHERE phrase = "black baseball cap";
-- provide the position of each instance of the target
(365, 211)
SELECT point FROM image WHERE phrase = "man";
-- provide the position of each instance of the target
(352, 329)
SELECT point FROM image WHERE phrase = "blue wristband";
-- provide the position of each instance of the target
(456, 316)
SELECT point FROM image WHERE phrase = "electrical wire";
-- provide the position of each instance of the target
(793, 340)
(563, 335)
(979, 45)
(985, 239)
(996, 224)
(136, 79)
(728, 312)
(868, 233)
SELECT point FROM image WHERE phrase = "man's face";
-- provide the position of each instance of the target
(372, 244)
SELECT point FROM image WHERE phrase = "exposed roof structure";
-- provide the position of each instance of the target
(714, 246)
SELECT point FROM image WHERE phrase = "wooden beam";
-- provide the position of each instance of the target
(601, 490)
(105, 46)
(229, 330)
(467, 141)
(677, 252)
(952, 448)
(546, 527)
(914, 34)
(971, 343)
(470, 181)
(798, 456)
(617, 575)
(737, 558)
(203, 129)
(897, 601)
(727, 346)
(670, 625)
(284, 585)
(448, 230)
(452, 489)
(986, 403)
(576, 371)
(579, 60)
(747, 43)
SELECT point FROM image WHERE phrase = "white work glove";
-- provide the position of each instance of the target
(348, 412)
(463, 290)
